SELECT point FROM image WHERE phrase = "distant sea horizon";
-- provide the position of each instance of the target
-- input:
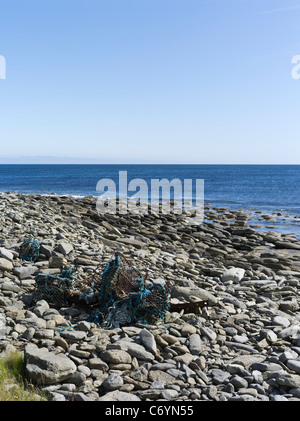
(271, 189)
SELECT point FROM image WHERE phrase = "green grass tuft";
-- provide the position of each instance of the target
(13, 384)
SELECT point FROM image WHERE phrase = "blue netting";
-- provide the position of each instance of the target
(126, 299)
(119, 296)
(55, 288)
(29, 250)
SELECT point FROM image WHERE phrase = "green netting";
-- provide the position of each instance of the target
(55, 289)
(126, 299)
(118, 297)
(29, 250)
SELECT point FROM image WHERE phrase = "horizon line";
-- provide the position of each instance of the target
(152, 163)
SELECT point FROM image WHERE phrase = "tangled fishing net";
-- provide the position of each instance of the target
(55, 289)
(118, 297)
(29, 250)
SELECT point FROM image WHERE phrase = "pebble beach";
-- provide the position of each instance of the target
(243, 346)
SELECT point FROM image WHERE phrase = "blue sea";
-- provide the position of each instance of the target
(251, 188)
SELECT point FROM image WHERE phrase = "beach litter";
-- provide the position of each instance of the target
(29, 250)
(117, 297)
(55, 288)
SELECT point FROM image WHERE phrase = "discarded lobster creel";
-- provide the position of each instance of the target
(117, 297)
(29, 250)
(126, 299)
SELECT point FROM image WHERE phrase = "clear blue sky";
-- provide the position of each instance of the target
(150, 81)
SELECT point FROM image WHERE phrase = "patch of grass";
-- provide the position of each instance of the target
(13, 384)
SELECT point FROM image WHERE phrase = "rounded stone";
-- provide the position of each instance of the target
(238, 382)
(294, 365)
(116, 356)
(113, 382)
(188, 330)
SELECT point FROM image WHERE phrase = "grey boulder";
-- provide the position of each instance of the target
(44, 367)
(185, 292)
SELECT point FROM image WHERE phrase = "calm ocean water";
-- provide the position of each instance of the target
(269, 188)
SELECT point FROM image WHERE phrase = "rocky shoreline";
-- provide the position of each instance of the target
(245, 345)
